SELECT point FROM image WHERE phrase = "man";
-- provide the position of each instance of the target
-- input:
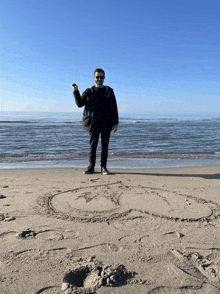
(100, 116)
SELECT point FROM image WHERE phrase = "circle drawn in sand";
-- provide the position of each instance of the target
(112, 201)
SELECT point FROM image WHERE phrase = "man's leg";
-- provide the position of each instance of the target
(105, 136)
(94, 139)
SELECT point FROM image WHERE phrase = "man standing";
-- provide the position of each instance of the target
(100, 116)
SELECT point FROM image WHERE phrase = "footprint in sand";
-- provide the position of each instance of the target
(6, 217)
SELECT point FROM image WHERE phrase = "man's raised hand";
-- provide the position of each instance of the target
(75, 87)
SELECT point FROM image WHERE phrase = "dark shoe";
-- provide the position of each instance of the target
(104, 171)
(89, 170)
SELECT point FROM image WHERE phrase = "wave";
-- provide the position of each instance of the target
(4, 158)
(15, 122)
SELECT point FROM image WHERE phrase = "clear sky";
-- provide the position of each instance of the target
(158, 55)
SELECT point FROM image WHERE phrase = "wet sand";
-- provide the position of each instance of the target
(134, 231)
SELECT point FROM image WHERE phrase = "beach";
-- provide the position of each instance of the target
(133, 231)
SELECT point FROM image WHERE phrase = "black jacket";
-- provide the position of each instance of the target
(87, 100)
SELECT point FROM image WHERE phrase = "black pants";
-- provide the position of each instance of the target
(94, 139)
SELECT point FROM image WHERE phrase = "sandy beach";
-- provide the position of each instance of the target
(134, 231)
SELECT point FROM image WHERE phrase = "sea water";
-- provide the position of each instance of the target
(37, 140)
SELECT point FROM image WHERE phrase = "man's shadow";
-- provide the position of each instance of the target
(204, 176)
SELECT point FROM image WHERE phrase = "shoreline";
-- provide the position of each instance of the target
(117, 169)
(117, 163)
(161, 224)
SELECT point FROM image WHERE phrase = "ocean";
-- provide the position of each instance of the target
(57, 140)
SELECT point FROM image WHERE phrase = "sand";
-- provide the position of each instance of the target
(134, 231)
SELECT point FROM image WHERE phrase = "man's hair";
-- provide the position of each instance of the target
(99, 70)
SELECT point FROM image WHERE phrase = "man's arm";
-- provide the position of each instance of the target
(80, 100)
(114, 112)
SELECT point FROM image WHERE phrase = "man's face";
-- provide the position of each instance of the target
(99, 78)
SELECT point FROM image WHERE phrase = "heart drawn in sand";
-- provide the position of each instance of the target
(116, 200)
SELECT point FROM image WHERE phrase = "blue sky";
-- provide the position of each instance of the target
(158, 56)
